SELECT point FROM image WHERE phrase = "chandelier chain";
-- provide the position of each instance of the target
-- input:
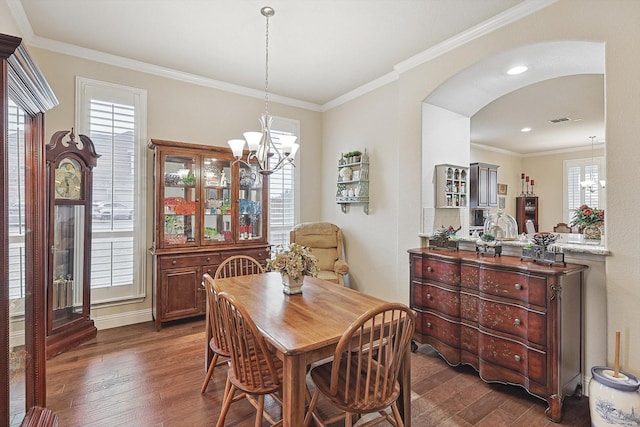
(266, 68)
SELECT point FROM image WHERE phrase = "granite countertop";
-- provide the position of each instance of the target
(567, 242)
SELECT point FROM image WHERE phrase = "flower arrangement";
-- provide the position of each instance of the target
(585, 215)
(294, 259)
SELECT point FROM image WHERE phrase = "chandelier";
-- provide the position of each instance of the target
(590, 184)
(262, 150)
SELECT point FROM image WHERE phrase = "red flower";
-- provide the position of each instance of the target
(587, 212)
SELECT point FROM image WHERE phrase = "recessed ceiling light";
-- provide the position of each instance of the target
(525, 130)
(518, 69)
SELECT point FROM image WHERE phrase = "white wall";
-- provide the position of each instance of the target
(612, 22)
(446, 137)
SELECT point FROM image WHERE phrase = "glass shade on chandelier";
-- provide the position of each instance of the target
(262, 151)
(590, 184)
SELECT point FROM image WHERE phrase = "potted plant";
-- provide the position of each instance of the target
(445, 238)
(487, 244)
(293, 261)
(589, 221)
(356, 156)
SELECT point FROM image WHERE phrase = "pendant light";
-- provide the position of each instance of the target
(262, 151)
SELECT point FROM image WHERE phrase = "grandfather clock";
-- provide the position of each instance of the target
(69, 166)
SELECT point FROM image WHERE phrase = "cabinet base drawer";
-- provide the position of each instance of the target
(522, 363)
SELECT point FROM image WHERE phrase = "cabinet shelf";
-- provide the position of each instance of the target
(352, 184)
(452, 183)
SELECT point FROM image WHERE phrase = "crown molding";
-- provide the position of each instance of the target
(511, 15)
(507, 17)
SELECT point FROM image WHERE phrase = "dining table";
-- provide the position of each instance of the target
(305, 328)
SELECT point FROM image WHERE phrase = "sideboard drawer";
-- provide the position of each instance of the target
(440, 299)
(522, 287)
(437, 270)
(178, 261)
(514, 356)
(441, 329)
(513, 319)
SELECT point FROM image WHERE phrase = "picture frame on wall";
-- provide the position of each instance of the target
(502, 189)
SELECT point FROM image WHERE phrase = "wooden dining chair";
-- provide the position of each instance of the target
(238, 265)
(218, 342)
(362, 378)
(562, 227)
(253, 369)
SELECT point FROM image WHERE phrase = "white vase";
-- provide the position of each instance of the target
(292, 286)
(613, 401)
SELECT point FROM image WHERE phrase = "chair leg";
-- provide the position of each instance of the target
(259, 410)
(229, 391)
(312, 407)
(396, 415)
(212, 366)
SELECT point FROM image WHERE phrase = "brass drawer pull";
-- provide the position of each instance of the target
(429, 296)
(517, 358)
(208, 259)
(429, 269)
(517, 322)
(174, 262)
(428, 324)
(518, 286)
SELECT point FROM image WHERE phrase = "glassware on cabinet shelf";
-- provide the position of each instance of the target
(179, 199)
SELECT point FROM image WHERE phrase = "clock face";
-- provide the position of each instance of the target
(68, 180)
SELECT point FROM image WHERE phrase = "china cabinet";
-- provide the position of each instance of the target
(526, 209)
(206, 209)
(69, 164)
(514, 322)
(353, 182)
(451, 186)
(25, 96)
(483, 190)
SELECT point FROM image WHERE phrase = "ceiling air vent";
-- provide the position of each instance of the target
(560, 120)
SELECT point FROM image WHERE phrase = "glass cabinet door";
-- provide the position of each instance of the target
(179, 215)
(250, 216)
(68, 262)
(216, 174)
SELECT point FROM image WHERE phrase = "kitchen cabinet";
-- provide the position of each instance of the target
(526, 209)
(451, 186)
(207, 208)
(483, 188)
(514, 322)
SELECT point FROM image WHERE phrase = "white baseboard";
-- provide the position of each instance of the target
(102, 322)
(123, 319)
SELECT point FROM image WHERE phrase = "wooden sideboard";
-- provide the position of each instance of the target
(514, 321)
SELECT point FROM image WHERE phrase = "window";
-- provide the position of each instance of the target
(113, 117)
(283, 189)
(575, 195)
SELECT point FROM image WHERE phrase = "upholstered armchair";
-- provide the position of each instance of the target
(325, 242)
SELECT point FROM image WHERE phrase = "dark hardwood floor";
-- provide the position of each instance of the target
(135, 376)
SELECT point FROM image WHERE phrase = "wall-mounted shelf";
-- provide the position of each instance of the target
(353, 182)
(451, 186)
